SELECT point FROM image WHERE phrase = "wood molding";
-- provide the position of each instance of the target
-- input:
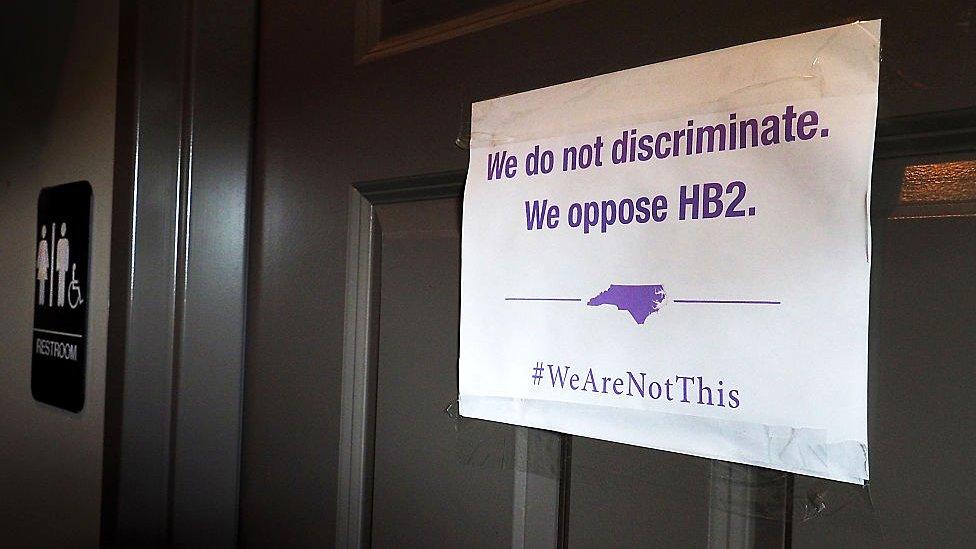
(942, 189)
(370, 45)
(943, 185)
(407, 189)
(942, 132)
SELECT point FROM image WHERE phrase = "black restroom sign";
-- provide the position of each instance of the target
(60, 345)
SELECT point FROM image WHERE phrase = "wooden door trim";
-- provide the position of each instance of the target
(944, 132)
(371, 45)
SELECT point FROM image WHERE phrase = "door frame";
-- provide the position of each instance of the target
(178, 274)
(532, 524)
(360, 343)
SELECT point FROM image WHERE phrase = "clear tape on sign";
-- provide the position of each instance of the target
(797, 450)
(650, 99)
(492, 445)
(758, 492)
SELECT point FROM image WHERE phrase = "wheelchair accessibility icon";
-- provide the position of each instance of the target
(74, 290)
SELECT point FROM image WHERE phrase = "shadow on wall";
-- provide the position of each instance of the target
(33, 46)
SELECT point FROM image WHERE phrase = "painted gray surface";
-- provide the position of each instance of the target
(57, 104)
(173, 432)
(206, 459)
(354, 495)
(627, 496)
(428, 464)
(144, 266)
(324, 124)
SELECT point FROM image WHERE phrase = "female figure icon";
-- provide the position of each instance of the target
(43, 258)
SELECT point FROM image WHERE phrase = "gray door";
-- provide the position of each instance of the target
(346, 97)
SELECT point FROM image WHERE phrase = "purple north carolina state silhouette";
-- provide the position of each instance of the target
(641, 300)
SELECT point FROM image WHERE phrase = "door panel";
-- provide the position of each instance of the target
(625, 496)
(438, 480)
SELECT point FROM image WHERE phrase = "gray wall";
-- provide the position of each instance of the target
(57, 124)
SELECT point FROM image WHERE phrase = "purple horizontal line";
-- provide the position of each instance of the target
(542, 299)
(745, 302)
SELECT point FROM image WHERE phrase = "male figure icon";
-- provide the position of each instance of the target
(62, 263)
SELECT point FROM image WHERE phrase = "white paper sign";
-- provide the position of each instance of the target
(677, 256)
